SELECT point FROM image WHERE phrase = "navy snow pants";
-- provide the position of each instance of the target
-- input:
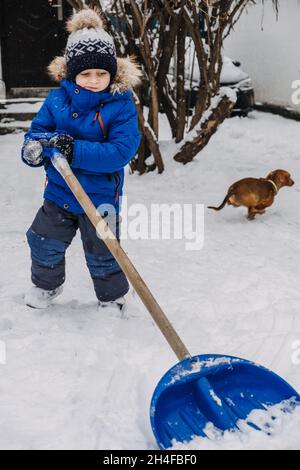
(50, 235)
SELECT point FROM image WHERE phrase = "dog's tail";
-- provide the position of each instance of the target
(222, 205)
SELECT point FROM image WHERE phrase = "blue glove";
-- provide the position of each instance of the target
(32, 150)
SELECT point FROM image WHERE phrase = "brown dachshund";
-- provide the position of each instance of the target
(256, 194)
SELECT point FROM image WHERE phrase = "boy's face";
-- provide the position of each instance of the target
(93, 79)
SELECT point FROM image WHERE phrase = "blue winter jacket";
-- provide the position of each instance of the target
(102, 148)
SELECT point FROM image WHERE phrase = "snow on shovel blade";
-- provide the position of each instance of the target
(212, 389)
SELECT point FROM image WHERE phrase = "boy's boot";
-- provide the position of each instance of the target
(118, 303)
(41, 298)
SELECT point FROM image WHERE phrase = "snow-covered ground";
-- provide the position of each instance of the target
(26, 107)
(79, 378)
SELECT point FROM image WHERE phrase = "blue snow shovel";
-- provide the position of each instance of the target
(198, 390)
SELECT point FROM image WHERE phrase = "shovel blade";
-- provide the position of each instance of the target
(212, 389)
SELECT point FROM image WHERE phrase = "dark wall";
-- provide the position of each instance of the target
(32, 33)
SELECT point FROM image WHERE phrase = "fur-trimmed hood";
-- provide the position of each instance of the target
(128, 73)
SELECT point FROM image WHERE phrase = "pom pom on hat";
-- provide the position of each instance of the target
(86, 18)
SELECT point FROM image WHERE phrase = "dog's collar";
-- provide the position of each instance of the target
(274, 185)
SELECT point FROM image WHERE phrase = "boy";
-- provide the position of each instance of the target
(91, 119)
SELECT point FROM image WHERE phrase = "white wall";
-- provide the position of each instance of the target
(269, 50)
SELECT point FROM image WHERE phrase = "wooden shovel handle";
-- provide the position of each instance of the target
(119, 254)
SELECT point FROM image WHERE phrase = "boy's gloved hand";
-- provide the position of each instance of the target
(32, 152)
(64, 144)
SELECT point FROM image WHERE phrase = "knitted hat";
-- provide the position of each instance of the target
(89, 46)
